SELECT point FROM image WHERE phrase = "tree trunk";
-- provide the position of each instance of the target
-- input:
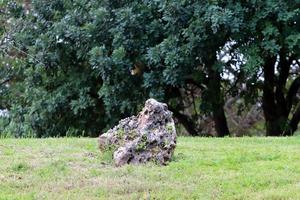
(272, 116)
(220, 121)
(276, 106)
(293, 125)
(215, 98)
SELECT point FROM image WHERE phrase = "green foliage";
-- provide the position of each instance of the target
(271, 46)
(56, 93)
(71, 61)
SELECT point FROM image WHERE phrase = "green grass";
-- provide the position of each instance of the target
(203, 168)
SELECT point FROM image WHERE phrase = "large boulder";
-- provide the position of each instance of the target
(149, 136)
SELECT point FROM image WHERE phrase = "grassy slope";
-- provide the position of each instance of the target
(203, 168)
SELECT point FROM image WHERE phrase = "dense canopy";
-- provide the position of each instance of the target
(75, 67)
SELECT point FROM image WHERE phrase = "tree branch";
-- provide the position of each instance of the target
(284, 69)
(193, 82)
(293, 125)
(5, 81)
(188, 123)
(292, 93)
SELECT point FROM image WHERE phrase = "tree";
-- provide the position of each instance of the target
(55, 90)
(271, 44)
(177, 43)
(79, 66)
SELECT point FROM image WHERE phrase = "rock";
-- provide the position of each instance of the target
(149, 136)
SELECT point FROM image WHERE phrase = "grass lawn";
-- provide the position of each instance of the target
(203, 168)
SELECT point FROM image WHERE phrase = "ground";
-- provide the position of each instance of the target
(202, 168)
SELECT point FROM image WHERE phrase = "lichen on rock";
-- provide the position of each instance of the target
(149, 136)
